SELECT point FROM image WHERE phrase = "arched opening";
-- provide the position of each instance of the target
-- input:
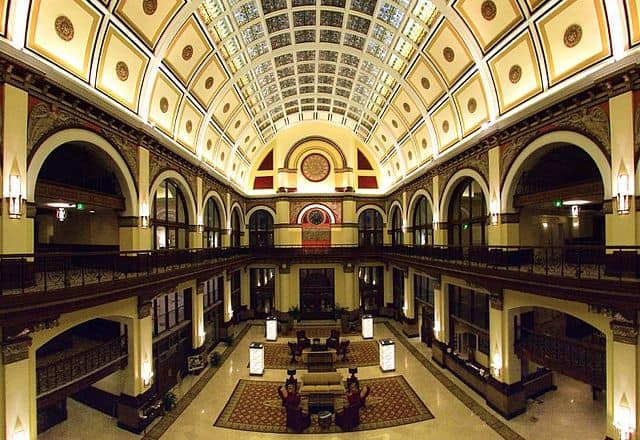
(211, 224)
(236, 229)
(262, 292)
(397, 237)
(83, 366)
(371, 284)
(317, 293)
(169, 217)
(422, 223)
(467, 215)
(560, 204)
(370, 228)
(261, 229)
(316, 223)
(78, 200)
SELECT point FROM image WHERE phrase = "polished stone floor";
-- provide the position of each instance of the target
(568, 413)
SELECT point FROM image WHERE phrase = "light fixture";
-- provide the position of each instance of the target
(60, 205)
(575, 202)
(18, 431)
(496, 362)
(545, 225)
(494, 211)
(575, 211)
(623, 192)
(61, 214)
(15, 196)
(147, 373)
(144, 215)
(623, 421)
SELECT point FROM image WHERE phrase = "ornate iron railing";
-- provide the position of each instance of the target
(62, 372)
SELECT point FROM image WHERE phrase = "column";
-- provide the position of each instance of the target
(409, 300)
(19, 390)
(228, 310)
(621, 227)
(284, 300)
(407, 234)
(440, 321)
(17, 230)
(439, 227)
(503, 228)
(349, 230)
(388, 284)
(622, 360)
(197, 317)
(135, 231)
(351, 288)
(195, 233)
(245, 290)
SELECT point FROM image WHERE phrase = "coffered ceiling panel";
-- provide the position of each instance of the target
(4, 7)
(383, 139)
(449, 52)
(426, 82)
(65, 37)
(633, 14)
(407, 108)
(446, 125)
(395, 124)
(188, 49)
(533, 4)
(572, 39)
(411, 159)
(164, 103)
(226, 107)
(238, 123)
(515, 73)
(222, 156)
(188, 125)
(425, 148)
(472, 104)
(148, 18)
(209, 80)
(211, 139)
(489, 20)
(121, 69)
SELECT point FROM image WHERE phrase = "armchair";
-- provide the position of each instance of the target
(303, 341)
(297, 420)
(294, 350)
(348, 418)
(333, 341)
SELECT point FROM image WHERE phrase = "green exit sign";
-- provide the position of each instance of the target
(557, 203)
(79, 206)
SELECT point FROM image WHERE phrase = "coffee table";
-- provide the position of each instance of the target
(320, 402)
(324, 419)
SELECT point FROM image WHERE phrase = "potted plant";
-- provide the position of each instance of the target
(338, 311)
(215, 358)
(169, 401)
(294, 312)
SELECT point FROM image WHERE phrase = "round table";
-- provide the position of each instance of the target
(324, 419)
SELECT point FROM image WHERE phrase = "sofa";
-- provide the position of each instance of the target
(321, 383)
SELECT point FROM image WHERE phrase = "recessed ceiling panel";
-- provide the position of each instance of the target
(489, 20)
(633, 14)
(472, 104)
(188, 49)
(4, 7)
(407, 108)
(226, 107)
(148, 18)
(211, 139)
(424, 146)
(188, 125)
(164, 103)
(209, 80)
(426, 82)
(446, 125)
(449, 52)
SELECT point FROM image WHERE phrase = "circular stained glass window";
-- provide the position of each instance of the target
(316, 217)
(315, 167)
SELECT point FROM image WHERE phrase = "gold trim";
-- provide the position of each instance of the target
(526, 35)
(435, 36)
(5, 9)
(113, 33)
(533, 4)
(44, 51)
(434, 115)
(475, 29)
(204, 70)
(163, 77)
(435, 73)
(475, 78)
(598, 8)
(191, 23)
(119, 11)
(633, 20)
(186, 102)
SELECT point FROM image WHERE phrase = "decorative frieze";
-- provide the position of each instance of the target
(496, 300)
(16, 350)
(624, 330)
(144, 308)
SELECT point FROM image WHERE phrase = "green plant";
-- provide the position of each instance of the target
(169, 401)
(215, 358)
(294, 312)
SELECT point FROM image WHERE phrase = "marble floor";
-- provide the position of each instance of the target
(568, 413)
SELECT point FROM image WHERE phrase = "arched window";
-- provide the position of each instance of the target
(169, 217)
(370, 228)
(235, 229)
(422, 223)
(211, 225)
(261, 229)
(467, 215)
(396, 228)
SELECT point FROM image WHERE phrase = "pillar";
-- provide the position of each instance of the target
(388, 284)
(351, 287)
(503, 228)
(228, 310)
(18, 390)
(440, 321)
(621, 229)
(16, 233)
(349, 229)
(135, 232)
(624, 375)
(409, 298)
(439, 227)
(284, 299)
(245, 289)
(197, 317)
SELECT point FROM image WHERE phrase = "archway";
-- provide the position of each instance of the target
(261, 229)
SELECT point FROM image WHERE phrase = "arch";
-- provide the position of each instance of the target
(319, 206)
(453, 183)
(375, 208)
(414, 200)
(236, 206)
(338, 151)
(123, 173)
(396, 204)
(184, 187)
(216, 197)
(260, 208)
(538, 146)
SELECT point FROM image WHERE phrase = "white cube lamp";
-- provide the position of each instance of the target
(256, 359)
(387, 354)
(367, 327)
(272, 328)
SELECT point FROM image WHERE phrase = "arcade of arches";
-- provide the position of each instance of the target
(176, 172)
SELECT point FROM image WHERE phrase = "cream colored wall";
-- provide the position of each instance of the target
(113, 383)
(100, 228)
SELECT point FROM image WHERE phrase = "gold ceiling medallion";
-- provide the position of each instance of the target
(150, 6)
(209, 144)
(572, 35)
(425, 83)
(406, 107)
(208, 83)
(515, 73)
(64, 28)
(472, 105)
(315, 167)
(489, 10)
(187, 52)
(448, 54)
(445, 126)
(122, 70)
(189, 126)
(164, 104)
(424, 144)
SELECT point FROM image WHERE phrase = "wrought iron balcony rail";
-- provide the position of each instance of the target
(62, 372)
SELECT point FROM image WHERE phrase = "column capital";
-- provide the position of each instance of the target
(200, 289)
(144, 308)
(624, 330)
(348, 267)
(496, 299)
(15, 350)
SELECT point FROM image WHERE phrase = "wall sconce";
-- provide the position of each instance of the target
(623, 422)
(202, 335)
(61, 214)
(15, 196)
(623, 193)
(494, 211)
(18, 431)
(147, 373)
(144, 215)
(436, 329)
(575, 211)
(496, 362)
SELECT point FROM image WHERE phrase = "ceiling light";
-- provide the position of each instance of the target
(60, 205)
(575, 202)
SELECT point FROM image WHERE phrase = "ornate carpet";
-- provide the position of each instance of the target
(314, 332)
(255, 406)
(361, 354)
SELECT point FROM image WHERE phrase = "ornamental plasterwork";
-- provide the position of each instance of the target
(45, 118)
(478, 162)
(637, 127)
(15, 351)
(127, 149)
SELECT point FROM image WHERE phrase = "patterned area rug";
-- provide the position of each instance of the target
(255, 406)
(314, 332)
(361, 354)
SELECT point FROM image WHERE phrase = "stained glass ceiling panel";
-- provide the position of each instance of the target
(289, 56)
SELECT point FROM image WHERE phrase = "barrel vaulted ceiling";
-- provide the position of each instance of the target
(412, 79)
